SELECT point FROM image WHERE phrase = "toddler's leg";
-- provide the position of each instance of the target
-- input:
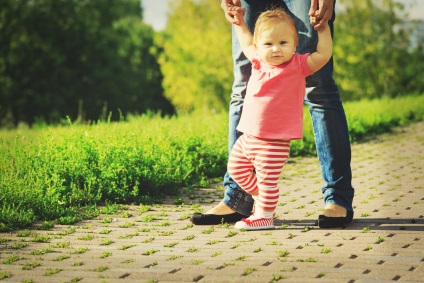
(241, 167)
(268, 158)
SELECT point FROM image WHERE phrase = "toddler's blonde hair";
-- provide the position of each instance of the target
(271, 18)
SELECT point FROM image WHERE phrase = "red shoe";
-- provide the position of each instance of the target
(257, 224)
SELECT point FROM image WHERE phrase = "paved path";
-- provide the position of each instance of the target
(384, 244)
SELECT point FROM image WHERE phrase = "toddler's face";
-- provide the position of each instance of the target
(276, 45)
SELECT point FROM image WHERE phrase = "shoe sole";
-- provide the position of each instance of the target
(248, 228)
(242, 225)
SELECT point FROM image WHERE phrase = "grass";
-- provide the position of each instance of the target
(209, 230)
(59, 175)
(41, 239)
(106, 242)
(174, 257)
(380, 240)
(106, 254)
(105, 231)
(217, 254)
(101, 268)
(365, 229)
(30, 265)
(150, 252)
(52, 271)
(284, 253)
(81, 250)
(189, 237)
(213, 242)
(5, 274)
(310, 259)
(18, 246)
(62, 257)
(248, 270)
(87, 237)
(326, 250)
(192, 250)
(170, 245)
(79, 263)
(127, 246)
(11, 259)
(231, 234)
(43, 251)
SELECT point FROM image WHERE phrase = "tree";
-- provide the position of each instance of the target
(77, 58)
(196, 61)
(372, 50)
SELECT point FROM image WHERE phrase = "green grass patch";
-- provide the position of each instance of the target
(52, 271)
(61, 257)
(18, 246)
(30, 265)
(5, 274)
(60, 174)
(42, 251)
(11, 259)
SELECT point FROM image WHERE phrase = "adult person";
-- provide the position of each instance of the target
(323, 100)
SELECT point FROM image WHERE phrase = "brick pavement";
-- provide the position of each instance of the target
(385, 243)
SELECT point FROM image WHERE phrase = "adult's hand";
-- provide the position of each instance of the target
(321, 11)
(227, 3)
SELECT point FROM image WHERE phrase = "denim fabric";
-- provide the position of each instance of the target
(321, 96)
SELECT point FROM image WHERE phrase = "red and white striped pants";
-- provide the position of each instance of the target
(267, 158)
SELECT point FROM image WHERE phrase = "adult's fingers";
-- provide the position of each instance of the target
(313, 8)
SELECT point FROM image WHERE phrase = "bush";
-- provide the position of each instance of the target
(51, 173)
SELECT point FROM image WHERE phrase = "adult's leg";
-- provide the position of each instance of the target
(235, 199)
(329, 121)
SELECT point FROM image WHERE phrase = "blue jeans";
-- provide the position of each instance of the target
(322, 97)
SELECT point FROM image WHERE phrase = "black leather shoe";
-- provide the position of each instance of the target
(335, 222)
(213, 219)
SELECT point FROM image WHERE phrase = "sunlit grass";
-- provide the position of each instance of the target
(63, 173)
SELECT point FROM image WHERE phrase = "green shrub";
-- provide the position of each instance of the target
(62, 173)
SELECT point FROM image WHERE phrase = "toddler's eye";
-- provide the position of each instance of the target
(283, 42)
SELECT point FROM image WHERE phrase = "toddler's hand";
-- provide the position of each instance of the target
(318, 24)
(314, 19)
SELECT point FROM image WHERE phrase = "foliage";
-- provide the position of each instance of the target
(97, 60)
(196, 62)
(77, 58)
(61, 173)
(48, 175)
(372, 51)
